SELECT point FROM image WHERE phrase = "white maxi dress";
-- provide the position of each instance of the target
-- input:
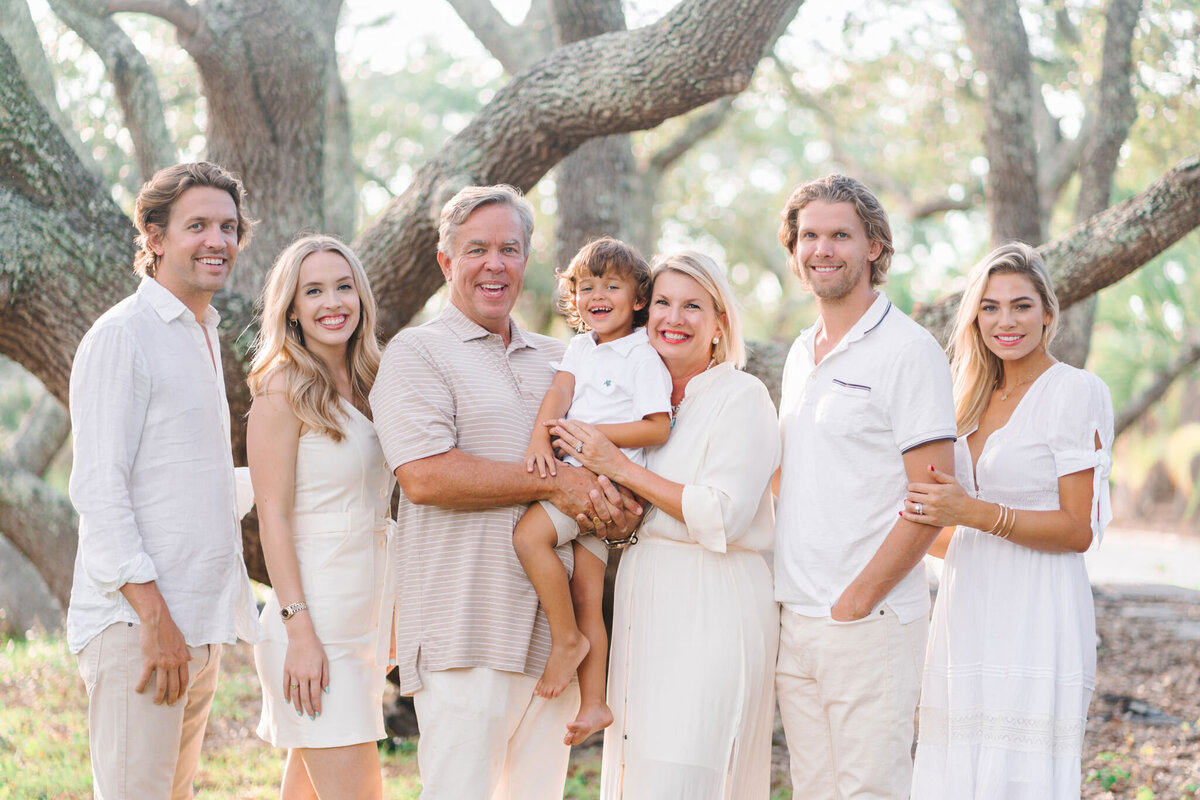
(340, 528)
(695, 624)
(1011, 661)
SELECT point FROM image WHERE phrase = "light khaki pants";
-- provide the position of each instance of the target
(848, 694)
(485, 736)
(143, 751)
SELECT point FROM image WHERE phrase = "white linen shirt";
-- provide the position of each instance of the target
(846, 424)
(153, 474)
(619, 381)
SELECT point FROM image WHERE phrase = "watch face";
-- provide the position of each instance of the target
(286, 613)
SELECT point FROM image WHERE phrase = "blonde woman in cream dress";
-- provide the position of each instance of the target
(695, 624)
(322, 490)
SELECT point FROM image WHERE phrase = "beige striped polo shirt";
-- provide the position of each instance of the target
(463, 598)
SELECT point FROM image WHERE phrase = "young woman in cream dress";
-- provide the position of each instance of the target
(323, 491)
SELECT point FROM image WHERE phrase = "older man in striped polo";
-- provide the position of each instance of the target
(454, 405)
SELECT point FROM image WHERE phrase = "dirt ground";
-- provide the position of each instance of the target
(1143, 734)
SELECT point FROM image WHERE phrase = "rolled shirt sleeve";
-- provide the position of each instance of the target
(1084, 413)
(735, 468)
(109, 394)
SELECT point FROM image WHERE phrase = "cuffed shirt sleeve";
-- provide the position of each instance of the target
(1083, 413)
(109, 395)
(742, 454)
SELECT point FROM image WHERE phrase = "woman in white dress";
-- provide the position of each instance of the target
(322, 488)
(1011, 661)
(695, 624)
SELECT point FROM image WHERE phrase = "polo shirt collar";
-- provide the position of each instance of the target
(467, 329)
(168, 306)
(869, 321)
(624, 346)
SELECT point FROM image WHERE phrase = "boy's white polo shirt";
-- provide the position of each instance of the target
(846, 422)
(619, 381)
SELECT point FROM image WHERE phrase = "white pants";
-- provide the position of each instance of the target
(140, 750)
(485, 736)
(848, 696)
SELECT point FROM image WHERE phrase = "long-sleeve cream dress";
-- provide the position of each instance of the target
(695, 624)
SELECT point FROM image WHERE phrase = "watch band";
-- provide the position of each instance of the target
(290, 611)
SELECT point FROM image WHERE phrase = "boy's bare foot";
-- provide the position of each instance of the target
(592, 717)
(564, 659)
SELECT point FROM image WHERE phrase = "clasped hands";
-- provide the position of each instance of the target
(603, 507)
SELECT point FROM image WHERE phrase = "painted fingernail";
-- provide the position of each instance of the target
(299, 713)
(325, 689)
(310, 716)
(318, 714)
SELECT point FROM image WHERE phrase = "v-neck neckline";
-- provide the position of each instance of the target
(975, 461)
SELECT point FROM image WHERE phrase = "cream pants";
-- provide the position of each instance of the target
(140, 750)
(485, 736)
(848, 696)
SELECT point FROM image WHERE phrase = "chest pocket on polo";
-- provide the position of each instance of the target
(847, 407)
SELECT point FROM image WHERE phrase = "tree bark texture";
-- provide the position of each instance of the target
(39, 521)
(596, 184)
(997, 38)
(1112, 120)
(615, 83)
(265, 68)
(19, 32)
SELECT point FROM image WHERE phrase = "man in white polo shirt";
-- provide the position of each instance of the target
(454, 403)
(866, 407)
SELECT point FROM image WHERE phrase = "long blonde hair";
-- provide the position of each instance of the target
(280, 347)
(976, 369)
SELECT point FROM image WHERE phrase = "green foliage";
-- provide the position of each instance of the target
(1111, 773)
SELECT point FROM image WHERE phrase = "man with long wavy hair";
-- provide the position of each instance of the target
(160, 582)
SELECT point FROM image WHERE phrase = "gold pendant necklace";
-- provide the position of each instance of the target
(1029, 379)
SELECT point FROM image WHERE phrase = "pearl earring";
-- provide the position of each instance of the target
(716, 339)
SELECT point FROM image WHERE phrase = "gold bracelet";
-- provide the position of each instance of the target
(1011, 524)
(996, 525)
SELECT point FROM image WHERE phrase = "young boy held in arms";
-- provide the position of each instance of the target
(611, 377)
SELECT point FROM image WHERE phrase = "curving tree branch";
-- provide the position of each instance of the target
(134, 81)
(615, 83)
(184, 16)
(1144, 400)
(42, 434)
(516, 47)
(1109, 246)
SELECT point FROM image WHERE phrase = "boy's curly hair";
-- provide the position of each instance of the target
(593, 260)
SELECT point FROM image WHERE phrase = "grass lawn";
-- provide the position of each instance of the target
(44, 747)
